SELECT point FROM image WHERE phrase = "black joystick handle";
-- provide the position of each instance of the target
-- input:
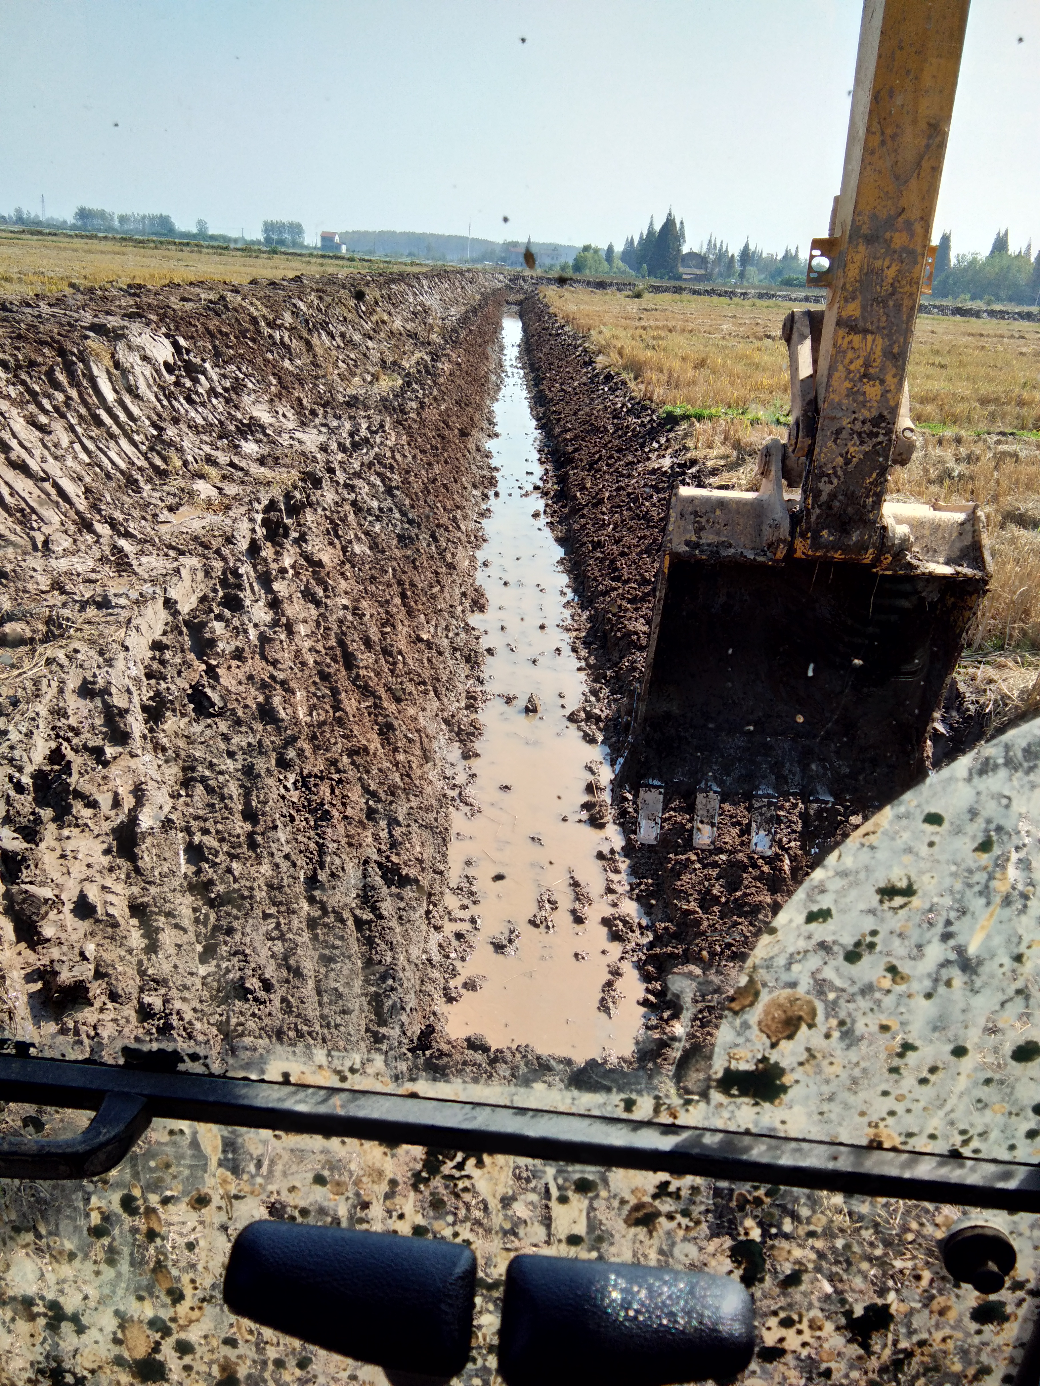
(572, 1323)
(405, 1305)
(979, 1254)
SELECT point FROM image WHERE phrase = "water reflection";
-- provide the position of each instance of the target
(534, 857)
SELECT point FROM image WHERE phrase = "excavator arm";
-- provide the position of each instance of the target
(803, 633)
(878, 260)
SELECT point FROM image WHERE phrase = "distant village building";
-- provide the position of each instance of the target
(693, 265)
(330, 242)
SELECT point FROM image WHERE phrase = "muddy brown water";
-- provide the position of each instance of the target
(535, 880)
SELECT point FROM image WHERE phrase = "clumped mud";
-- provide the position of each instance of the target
(237, 529)
(614, 464)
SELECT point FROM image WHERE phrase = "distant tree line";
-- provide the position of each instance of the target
(1002, 276)
(100, 221)
(283, 233)
(656, 254)
(438, 248)
(124, 223)
(659, 253)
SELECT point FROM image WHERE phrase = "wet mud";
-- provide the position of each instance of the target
(613, 464)
(541, 895)
(237, 535)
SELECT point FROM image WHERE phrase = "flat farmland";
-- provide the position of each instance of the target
(975, 396)
(35, 263)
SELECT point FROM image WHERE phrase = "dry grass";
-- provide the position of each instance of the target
(707, 352)
(1003, 477)
(31, 263)
(1000, 688)
(977, 375)
(966, 376)
(716, 353)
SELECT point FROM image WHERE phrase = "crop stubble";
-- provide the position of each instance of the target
(32, 263)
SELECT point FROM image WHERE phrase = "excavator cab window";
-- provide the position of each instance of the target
(347, 1034)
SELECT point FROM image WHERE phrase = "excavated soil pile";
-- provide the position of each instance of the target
(237, 530)
(611, 472)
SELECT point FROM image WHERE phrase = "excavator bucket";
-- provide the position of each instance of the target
(805, 677)
(803, 634)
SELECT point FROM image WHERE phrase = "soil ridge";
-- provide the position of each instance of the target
(237, 537)
(612, 471)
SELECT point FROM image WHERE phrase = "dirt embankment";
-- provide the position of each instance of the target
(613, 468)
(237, 529)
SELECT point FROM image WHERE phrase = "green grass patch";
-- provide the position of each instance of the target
(675, 414)
(939, 430)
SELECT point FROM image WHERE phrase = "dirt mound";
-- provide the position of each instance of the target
(237, 529)
(614, 467)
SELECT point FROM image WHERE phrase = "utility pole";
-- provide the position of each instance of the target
(43, 208)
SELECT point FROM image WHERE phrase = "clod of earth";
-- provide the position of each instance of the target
(231, 517)
(784, 1014)
(745, 996)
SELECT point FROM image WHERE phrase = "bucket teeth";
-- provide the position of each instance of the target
(763, 824)
(705, 817)
(651, 805)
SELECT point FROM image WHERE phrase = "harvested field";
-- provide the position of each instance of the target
(237, 532)
(716, 353)
(37, 263)
(1003, 476)
(967, 377)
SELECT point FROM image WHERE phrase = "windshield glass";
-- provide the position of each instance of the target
(535, 673)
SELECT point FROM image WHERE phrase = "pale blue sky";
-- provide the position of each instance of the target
(425, 116)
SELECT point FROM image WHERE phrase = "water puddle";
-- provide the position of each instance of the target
(534, 858)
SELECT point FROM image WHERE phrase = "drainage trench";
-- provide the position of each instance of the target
(540, 892)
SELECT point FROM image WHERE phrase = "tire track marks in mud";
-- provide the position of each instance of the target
(237, 537)
(614, 468)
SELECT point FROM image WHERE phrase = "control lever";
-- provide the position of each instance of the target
(979, 1253)
(403, 1304)
(120, 1119)
(568, 1323)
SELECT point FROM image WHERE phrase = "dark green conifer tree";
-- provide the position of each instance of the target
(645, 245)
(943, 254)
(663, 259)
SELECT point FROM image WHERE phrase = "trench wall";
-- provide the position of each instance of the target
(612, 475)
(237, 529)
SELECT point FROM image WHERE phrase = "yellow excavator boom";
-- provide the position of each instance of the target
(803, 633)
